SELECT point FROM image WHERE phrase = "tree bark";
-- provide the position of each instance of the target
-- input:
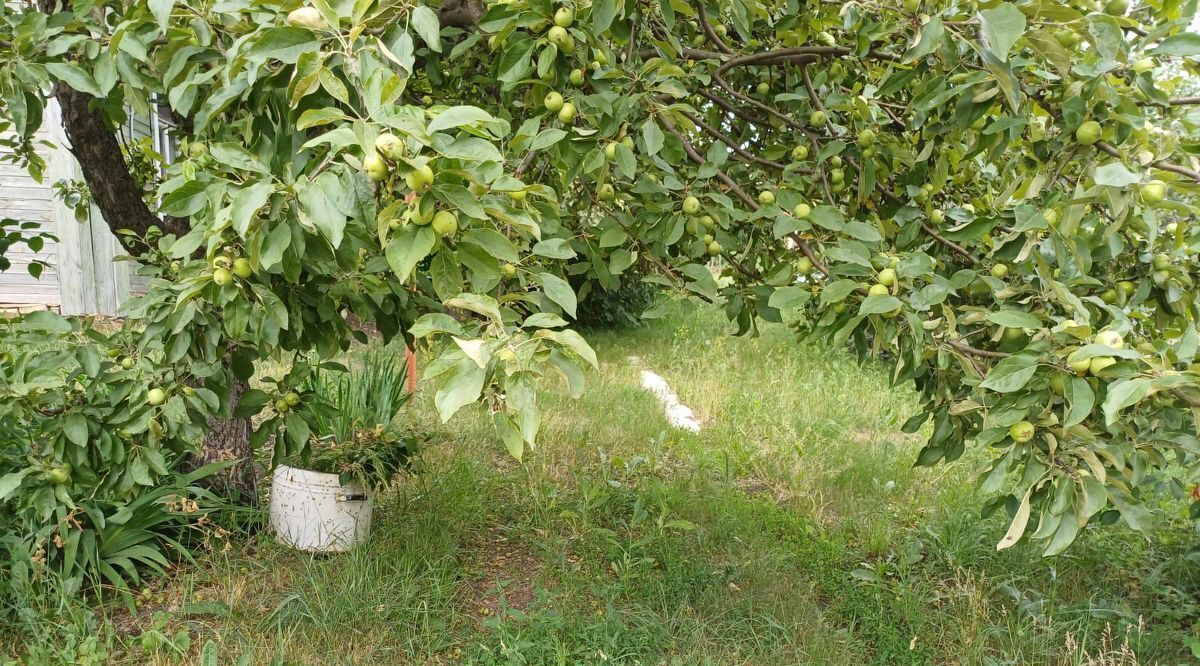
(229, 439)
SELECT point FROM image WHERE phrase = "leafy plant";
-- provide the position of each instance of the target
(351, 414)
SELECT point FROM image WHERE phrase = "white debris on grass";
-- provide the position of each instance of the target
(678, 414)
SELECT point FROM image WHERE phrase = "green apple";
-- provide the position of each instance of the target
(553, 102)
(1080, 367)
(1051, 216)
(804, 265)
(1161, 262)
(1110, 339)
(692, 228)
(866, 137)
(128, 363)
(307, 17)
(197, 150)
(1099, 363)
(281, 406)
(912, 6)
(610, 151)
(802, 211)
(827, 39)
(937, 216)
(817, 118)
(567, 113)
(1109, 296)
(558, 36)
(445, 223)
(1088, 133)
(420, 179)
(292, 398)
(242, 268)
(564, 17)
(878, 290)
(837, 176)
(627, 141)
(1160, 278)
(1116, 7)
(576, 77)
(999, 271)
(766, 197)
(691, 205)
(886, 277)
(1154, 192)
(799, 153)
(517, 195)
(59, 474)
(156, 397)
(222, 277)
(708, 222)
(606, 192)
(763, 88)
(1127, 287)
(508, 270)
(390, 146)
(707, 238)
(1021, 431)
(375, 168)
(1058, 383)
(714, 248)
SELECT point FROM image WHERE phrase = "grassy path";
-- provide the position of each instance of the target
(791, 530)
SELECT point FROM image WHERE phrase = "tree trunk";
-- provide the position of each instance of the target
(229, 439)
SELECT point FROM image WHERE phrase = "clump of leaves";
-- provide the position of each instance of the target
(352, 413)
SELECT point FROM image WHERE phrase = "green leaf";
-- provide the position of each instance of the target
(477, 303)
(544, 320)
(1184, 44)
(10, 482)
(1017, 527)
(1116, 175)
(573, 341)
(495, 243)
(251, 403)
(435, 322)
(1121, 394)
(246, 204)
(1002, 27)
(406, 249)
(161, 9)
(554, 248)
(828, 217)
(185, 201)
(546, 138)
(862, 231)
(1081, 399)
(879, 304)
(74, 77)
(1014, 319)
(75, 427)
(603, 12)
(426, 23)
(558, 291)
(931, 38)
(461, 388)
(318, 117)
(1011, 374)
(788, 298)
(457, 116)
(284, 44)
(1135, 513)
(652, 136)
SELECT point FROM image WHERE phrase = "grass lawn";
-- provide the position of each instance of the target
(791, 530)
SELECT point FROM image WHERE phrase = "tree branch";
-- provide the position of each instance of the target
(708, 29)
(696, 157)
(968, 349)
(113, 188)
(728, 141)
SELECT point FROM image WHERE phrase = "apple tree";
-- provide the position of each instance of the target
(997, 194)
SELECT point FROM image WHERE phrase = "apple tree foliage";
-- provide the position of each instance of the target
(997, 194)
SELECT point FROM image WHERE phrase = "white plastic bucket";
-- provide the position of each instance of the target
(313, 511)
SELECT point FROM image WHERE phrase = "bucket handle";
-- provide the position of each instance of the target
(351, 497)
